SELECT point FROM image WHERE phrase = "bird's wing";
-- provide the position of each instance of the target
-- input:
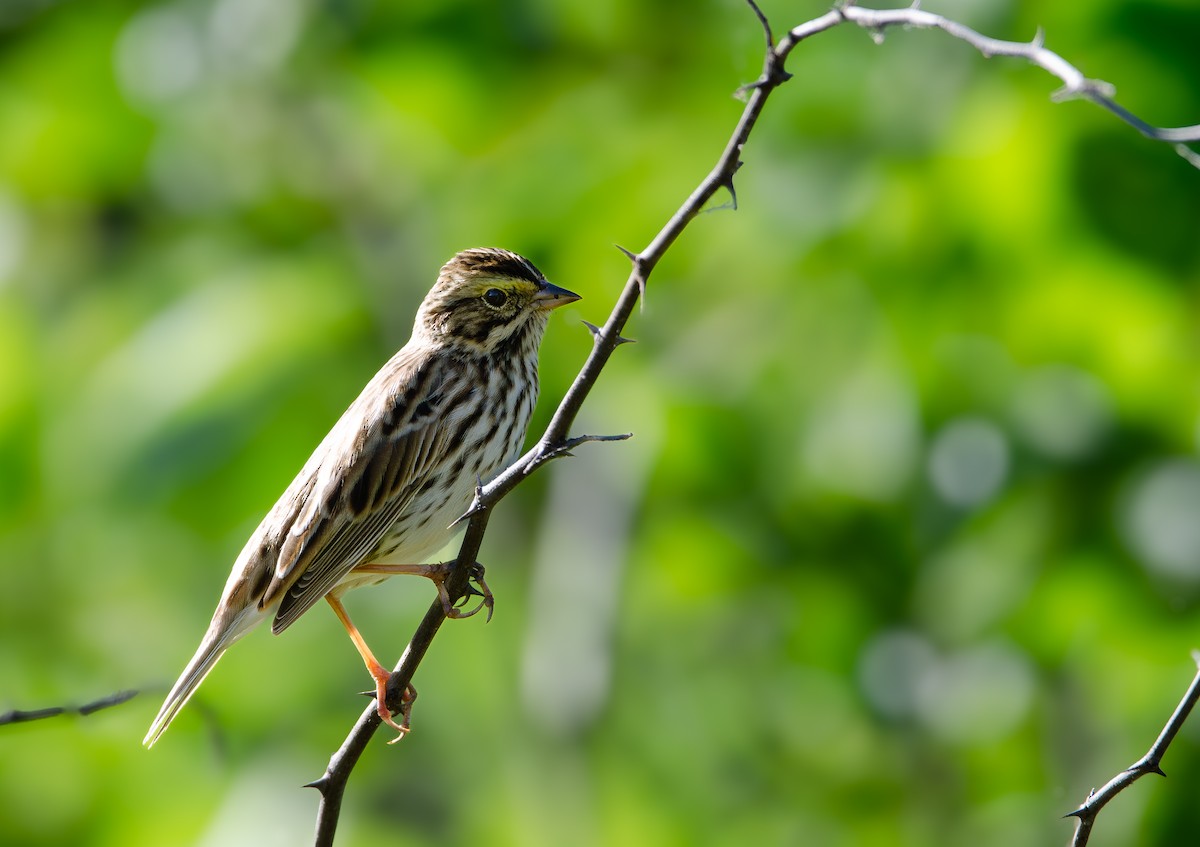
(360, 479)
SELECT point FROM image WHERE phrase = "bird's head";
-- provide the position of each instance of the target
(487, 297)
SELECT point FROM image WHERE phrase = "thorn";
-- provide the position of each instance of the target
(774, 74)
(1078, 813)
(370, 694)
(474, 509)
(1061, 95)
(726, 182)
(623, 340)
(1156, 769)
(637, 267)
(1039, 39)
(633, 257)
(637, 274)
(476, 505)
(595, 330)
(319, 783)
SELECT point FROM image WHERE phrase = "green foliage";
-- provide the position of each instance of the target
(905, 548)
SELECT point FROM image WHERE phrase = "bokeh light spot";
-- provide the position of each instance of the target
(1062, 411)
(1159, 519)
(968, 462)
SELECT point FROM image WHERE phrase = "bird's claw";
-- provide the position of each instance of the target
(382, 677)
(478, 589)
(406, 704)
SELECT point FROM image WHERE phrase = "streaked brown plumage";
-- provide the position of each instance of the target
(400, 465)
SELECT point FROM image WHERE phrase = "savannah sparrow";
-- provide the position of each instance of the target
(381, 490)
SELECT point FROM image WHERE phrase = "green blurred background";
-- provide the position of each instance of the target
(905, 550)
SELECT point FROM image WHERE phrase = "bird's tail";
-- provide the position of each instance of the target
(221, 634)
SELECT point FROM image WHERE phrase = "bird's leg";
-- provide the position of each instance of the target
(378, 672)
(438, 573)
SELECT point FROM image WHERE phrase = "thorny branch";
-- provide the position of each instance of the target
(1075, 84)
(1147, 764)
(26, 715)
(555, 441)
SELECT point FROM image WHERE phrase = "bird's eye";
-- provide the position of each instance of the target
(495, 298)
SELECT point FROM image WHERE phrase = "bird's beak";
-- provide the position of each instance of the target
(550, 296)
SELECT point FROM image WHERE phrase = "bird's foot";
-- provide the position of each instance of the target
(438, 573)
(381, 676)
(476, 587)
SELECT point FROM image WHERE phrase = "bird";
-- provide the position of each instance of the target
(381, 491)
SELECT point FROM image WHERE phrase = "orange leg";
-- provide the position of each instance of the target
(378, 672)
(438, 573)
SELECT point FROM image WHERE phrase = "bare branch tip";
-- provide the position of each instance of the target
(105, 702)
(584, 439)
(1193, 159)
(25, 715)
(766, 24)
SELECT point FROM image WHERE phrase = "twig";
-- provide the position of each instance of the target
(332, 784)
(26, 715)
(1148, 764)
(1075, 84)
(555, 441)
